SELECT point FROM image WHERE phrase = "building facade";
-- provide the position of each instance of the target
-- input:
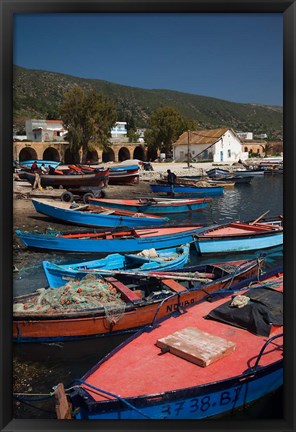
(217, 145)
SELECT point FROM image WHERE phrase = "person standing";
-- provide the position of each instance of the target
(43, 169)
(34, 166)
(171, 180)
(37, 181)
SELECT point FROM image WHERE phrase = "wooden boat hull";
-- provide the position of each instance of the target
(124, 175)
(197, 403)
(248, 172)
(57, 274)
(155, 206)
(68, 180)
(103, 219)
(229, 242)
(186, 390)
(127, 243)
(94, 323)
(200, 191)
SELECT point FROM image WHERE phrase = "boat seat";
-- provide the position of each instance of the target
(127, 294)
(173, 285)
(196, 346)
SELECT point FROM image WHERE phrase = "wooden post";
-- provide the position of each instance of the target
(188, 149)
(63, 407)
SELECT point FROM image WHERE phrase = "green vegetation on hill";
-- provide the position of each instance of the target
(38, 94)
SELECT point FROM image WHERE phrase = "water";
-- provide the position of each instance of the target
(49, 364)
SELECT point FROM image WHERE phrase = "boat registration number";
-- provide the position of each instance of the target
(195, 407)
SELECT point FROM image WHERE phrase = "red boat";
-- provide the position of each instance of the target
(212, 358)
(74, 178)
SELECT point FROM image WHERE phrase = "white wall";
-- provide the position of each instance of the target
(228, 148)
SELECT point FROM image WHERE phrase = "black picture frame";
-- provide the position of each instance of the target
(7, 9)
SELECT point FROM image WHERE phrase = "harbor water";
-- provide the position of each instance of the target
(42, 366)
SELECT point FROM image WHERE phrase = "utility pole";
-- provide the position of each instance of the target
(188, 148)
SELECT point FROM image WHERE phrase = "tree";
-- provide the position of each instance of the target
(165, 125)
(88, 117)
(266, 148)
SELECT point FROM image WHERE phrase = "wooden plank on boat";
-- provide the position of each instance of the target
(173, 285)
(63, 408)
(196, 346)
(127, 294)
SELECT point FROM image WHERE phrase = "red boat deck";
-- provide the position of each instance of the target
(234, 229)
(141, 368)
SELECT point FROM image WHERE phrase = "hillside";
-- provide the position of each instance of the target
(37, 94)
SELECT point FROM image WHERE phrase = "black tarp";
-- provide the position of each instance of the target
(264, 310)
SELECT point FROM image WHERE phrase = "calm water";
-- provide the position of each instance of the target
(50, 364)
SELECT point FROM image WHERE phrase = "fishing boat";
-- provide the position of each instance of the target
(98, 178)
(208, 360)
(121, 241)
(248, 172)
(124, 174)
(144, 261)
(238, 237)
(95, 216)
(154, 205)
(119, 303)
(184, 189)
(214, 172)
(39, 162)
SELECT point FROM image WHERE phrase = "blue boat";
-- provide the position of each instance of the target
(108, 241)
(121, 168)
(94, 216)
(145, 261)
(190, 190)
(238, 237)
(211, 360)
(29, 163)
(154, 205)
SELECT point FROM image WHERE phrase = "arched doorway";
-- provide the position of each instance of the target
(92, 157)
(27, 153)
(139, 153)
(71, 158)
(151, 155)
(108, 156)
(123, 154)
(51, 154)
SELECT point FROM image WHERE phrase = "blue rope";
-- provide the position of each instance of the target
(113, 395)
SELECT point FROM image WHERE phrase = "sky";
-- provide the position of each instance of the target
(235, 57)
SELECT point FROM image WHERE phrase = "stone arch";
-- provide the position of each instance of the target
(70, 158)
(92, 156)
(108, 156)
(51, 154)
(151, 154)
(139, 153)
(27, 153)
(123, 154)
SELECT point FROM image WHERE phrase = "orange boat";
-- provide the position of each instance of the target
(119, 304)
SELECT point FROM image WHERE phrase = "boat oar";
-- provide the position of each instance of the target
(260, 217)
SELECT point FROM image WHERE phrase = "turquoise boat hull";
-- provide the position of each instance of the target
(168, 259)
(190, 190)
(103, 219)
(56, 241)
(153, 208)
(230, 245)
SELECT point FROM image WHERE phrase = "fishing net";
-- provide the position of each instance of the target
(90, 292)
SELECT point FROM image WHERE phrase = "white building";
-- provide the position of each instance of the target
(217, 145)
(245, 135)
(45, 130)
(119, 130)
